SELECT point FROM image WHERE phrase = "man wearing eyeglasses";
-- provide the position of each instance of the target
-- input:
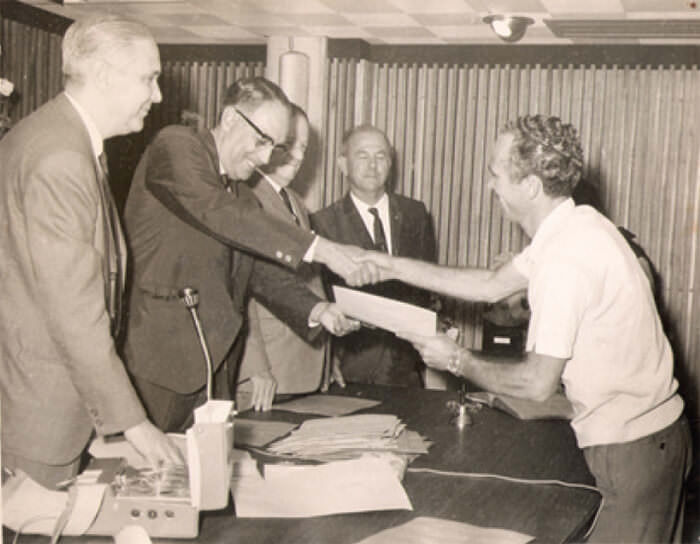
(191, 223)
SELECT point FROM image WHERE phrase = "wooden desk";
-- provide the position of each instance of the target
(495, 443)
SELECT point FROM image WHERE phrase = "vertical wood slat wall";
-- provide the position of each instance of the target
(639, 127)
(31, 59)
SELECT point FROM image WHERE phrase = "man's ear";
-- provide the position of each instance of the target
(533, 185)
(101, 72)
(343, 165)
(228, 117)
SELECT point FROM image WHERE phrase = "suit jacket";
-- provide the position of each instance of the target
(376, 356)
(182, 225)
(296, 364)
(59, 371)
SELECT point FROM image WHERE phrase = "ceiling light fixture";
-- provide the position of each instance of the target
(510, 28)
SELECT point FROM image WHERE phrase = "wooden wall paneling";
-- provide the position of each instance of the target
(664, 189)
(649, 165)
(380, 102)
(421, 78)
(469, 147)
(364, 91)
(329, 132)
(491, 216)
(402, 171)
(440, 177)
(628, 160)
(475, 233)
(555, 84)
(392, 130)
(686, 212)
(428, 150)
(410, 76)
(450, 241)
(212, 97)
(610, 173)
(498, 107)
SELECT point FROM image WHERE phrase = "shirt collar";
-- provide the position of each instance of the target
(382, 204)
(551, 224)
(276, 186)
(93, 132)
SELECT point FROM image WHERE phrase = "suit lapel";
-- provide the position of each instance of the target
(355, 224)
(271, 200)
(396, 216)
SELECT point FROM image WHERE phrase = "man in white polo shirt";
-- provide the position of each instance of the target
(594, 328)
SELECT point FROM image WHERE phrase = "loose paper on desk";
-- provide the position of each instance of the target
(385, 313)
(293, 491)
(326, 405)
(425, 530)
(348, 437)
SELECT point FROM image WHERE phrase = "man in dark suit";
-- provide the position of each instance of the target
(401, 226)
(191, 223)
(61, 250)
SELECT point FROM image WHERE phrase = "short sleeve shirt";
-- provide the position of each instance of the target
(592, 305)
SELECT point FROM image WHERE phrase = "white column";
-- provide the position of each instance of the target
(310, 179)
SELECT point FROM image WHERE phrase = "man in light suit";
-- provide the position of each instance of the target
(191, 222)
(371, 355)
(62, 256)
(275, 358)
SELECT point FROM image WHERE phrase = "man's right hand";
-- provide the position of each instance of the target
(340, 259)
(154, 445)
(382, 263)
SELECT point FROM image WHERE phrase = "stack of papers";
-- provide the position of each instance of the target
(349, 436)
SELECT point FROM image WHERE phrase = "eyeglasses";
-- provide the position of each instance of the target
(265, 139)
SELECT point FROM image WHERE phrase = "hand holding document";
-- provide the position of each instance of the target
(385, 313)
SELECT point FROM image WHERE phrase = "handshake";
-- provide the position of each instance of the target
(355, 265)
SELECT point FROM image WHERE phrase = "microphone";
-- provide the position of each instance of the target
(190, 297)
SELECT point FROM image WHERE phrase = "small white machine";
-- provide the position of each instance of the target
(167, 502)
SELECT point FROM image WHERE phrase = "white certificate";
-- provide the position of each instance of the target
(385, 313)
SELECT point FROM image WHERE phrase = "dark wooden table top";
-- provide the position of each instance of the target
(495, 443)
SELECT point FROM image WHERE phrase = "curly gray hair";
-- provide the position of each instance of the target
(548, 148)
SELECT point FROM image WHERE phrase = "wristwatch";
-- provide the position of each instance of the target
(453, 363)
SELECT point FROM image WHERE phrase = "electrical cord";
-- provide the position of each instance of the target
(520, 481)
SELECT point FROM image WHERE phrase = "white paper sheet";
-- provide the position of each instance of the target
(425, 530)
(293, 491)
(385, 313)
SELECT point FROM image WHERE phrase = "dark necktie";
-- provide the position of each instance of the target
(379, 237)
(113, 257)
(285, 198)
